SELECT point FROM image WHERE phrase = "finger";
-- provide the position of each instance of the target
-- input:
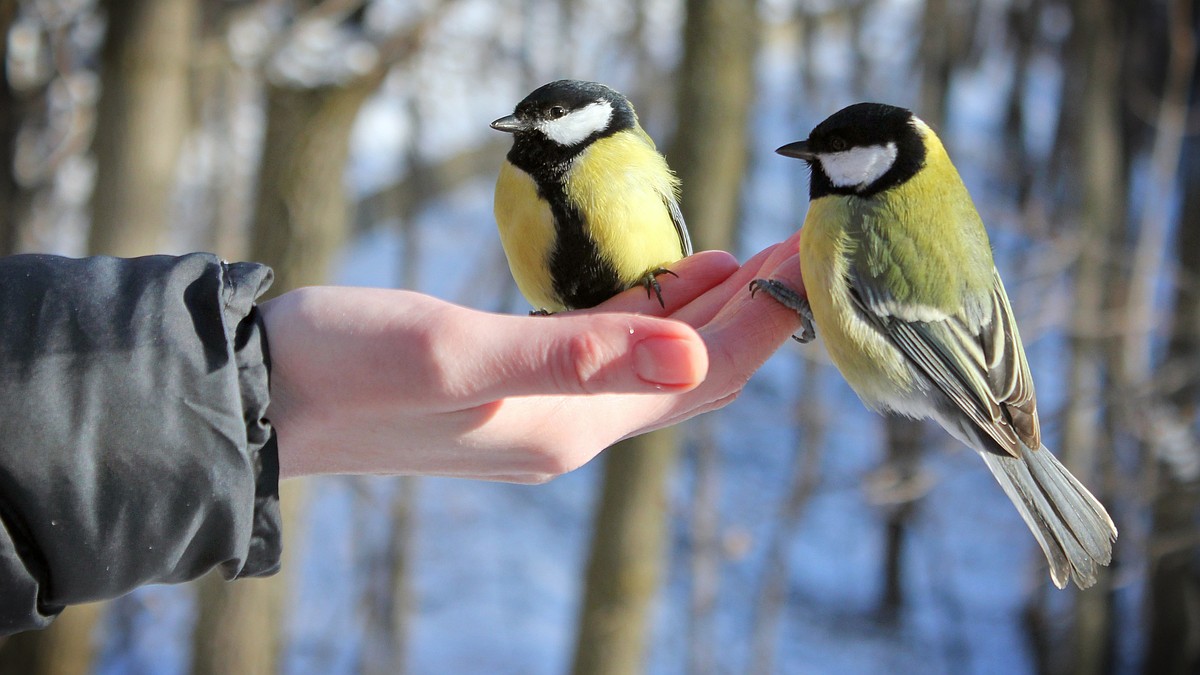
(616, 418)
(705, 308)
(777, 260)
(740, 331)
(575, 353)
(749, 309)
(694, 276)
(786, 271)
(744, 334)
(781, 257)
(684, 408)
(790, 245)
(749, 329)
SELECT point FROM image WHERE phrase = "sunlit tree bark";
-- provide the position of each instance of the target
(625, 565)
(67, 647)
(716, 89)
(10, 124)
(142, 120)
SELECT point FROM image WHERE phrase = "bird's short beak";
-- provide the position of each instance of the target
(509, 125)
(799, 150)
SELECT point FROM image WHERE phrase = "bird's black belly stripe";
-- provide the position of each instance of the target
(581, 277)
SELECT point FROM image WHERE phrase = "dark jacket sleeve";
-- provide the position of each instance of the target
(133, 444)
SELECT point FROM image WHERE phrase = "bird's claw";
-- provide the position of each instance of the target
(786, 296)
(652, 286)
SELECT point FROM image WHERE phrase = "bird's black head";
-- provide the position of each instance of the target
(558, 120)
(861, 150)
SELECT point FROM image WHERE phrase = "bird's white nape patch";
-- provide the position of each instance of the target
(577, 125)
(858, 167)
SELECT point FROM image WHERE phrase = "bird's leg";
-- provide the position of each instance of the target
(650, 282)
(540, 312)
(786, 296)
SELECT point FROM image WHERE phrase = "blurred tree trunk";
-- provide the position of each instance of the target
(704, 544)
(301, 214)
(67, 647)
(1167, 399)
(1022, 24)
(946, 33)
(1183, 347)
(716, 88)
(141, 123)
(11, 209)
(1173, 593)
(1093, 132)
(300, 221)
(388, 598)
(936, 67)
(222, 91)
(238, 623)
(899, 491)
(628, 545)
(139, 130)
(1154, 225)
(709, 153)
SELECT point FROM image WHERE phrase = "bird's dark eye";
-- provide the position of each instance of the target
(557, 112)
(837, 143)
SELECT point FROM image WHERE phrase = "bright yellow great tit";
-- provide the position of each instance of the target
(900, 283)
(586, 205)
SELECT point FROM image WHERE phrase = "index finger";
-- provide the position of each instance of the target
(689, 279)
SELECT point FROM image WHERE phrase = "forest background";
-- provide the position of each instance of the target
(346, 141)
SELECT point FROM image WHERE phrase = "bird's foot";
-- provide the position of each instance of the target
(788, 297)
(650, 282)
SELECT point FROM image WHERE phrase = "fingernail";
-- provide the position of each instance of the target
(664, 361)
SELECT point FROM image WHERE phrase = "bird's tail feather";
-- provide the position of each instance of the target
(1072, 527)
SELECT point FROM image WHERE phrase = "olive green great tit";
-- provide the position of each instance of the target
(901, 285)
(585, 204)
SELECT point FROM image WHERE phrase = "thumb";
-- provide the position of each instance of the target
(602, 353)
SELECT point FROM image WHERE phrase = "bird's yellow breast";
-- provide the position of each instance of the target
(872, 366)
(621, 185)
(527, 233)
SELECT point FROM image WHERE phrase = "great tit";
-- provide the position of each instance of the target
(900, 282)
(585, 204)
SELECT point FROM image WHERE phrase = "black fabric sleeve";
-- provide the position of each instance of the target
(133, 444)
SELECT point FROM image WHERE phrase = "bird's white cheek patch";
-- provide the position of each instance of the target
(577, 125)
(858, 167)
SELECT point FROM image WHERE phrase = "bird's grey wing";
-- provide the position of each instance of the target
(685, 240)
(975, 361)
(1008, 369)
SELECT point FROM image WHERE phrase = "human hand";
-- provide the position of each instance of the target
(394, 382)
